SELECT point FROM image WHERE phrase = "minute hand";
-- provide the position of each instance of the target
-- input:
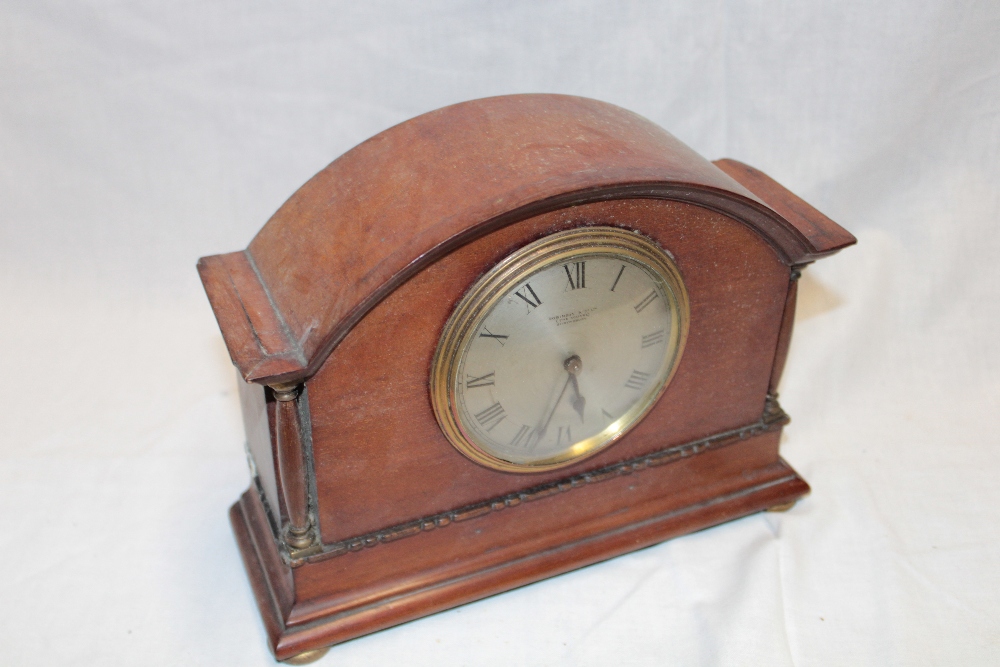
(578, 401)
(540, 432)
(573, 366)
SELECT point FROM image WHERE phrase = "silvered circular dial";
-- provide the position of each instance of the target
(560, 349)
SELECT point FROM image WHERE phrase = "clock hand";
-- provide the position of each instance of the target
(578, 401)
(572, 366)
(540, 432)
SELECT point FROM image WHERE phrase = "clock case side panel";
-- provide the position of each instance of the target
(380, 457)
(257, 406)
(259, 514)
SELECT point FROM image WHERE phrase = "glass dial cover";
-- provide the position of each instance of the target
(560, 349)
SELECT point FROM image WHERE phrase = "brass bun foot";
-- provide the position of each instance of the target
(306, 657)
(783, 507)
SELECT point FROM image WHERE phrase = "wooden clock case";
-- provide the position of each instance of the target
(361, 515)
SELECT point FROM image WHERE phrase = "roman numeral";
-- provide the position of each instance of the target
(559, 436)
(530, 297)
(606, 415)
(483, 381)
(637, 380)
(652, 339)
(580, 272)
(497, 337)
(491, 416)
(648, 299)
(618, 277)
(521, 438)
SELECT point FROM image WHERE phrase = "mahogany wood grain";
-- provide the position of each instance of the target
(516, 532)
(258, 341)
(270, 578)
(361, 592)
(259, 420)
(373, 388)
(824, 235)
(414, 193)
(346, 290)
(784, 336)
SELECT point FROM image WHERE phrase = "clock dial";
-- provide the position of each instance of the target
(561, 349)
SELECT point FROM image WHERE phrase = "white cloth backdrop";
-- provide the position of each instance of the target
(136, 137)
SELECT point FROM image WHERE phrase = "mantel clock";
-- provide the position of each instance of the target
(497, 342)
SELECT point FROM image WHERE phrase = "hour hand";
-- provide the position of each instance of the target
(573, 366)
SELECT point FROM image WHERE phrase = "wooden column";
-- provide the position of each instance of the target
(291, 466)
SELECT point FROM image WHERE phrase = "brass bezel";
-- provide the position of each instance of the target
(480, 299)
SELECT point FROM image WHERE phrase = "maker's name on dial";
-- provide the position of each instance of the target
(571, 317)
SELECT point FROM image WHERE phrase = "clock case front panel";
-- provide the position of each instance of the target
(373, 389)
(345, 293)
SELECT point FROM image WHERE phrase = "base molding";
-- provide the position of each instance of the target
(314, 605)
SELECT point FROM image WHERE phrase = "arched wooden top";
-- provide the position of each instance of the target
(395, 203)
